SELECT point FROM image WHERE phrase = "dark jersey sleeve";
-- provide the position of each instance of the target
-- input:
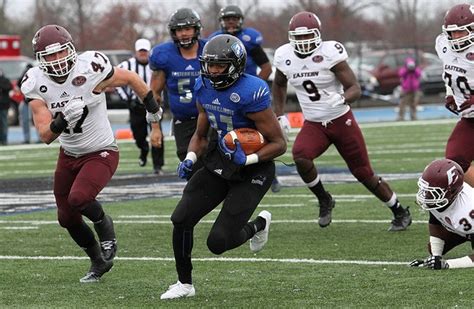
(258, 55)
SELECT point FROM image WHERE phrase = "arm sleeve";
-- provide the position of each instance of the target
(258, 55)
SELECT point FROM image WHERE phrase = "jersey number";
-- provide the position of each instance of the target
(96, 66)
(78, 127)
(185, 94)
(225, 121)
(465, 222)
(461, 83)
(312, 90)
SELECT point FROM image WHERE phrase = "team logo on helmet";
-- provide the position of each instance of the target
(318, 58)
(234, 97)
(79, 81)
(470, 56)
(237, 49)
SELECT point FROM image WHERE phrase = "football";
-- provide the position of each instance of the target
(250, 139)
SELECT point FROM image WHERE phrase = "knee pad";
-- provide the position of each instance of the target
(216, 243)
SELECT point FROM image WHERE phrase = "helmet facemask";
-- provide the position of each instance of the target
(461, 43)
(304, 46)
(59, 67)
(431, 198)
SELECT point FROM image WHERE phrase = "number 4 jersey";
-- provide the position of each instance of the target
(317, 88)
(93, 131)
(458, 71)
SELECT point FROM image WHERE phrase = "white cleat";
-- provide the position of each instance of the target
(258, 241)
(179, 290)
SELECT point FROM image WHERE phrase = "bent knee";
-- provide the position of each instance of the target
(216, 243)
(67, 220)
(77, 198)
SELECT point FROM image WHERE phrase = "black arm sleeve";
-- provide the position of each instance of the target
(258, 55)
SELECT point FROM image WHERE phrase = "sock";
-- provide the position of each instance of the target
(182, 247)
(316, 186)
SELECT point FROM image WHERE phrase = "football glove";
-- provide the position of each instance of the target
(237, 155)
(285, 125)
(450, 104)
(73, 111)
(154, 117)
(417, 263)
(185, 168)
(435, 262)
(467, 103)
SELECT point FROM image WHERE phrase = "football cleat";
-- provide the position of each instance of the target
(109, 249)
(325, 211)
(142, 158)
(401, 220)
(179, 290)
(96, 271)
(258, 241)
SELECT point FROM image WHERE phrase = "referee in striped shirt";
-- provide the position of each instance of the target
(138, 124)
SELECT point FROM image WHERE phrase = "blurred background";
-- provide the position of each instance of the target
(378, 34)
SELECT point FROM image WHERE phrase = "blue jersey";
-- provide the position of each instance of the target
(251, 39)
(226, 109)
(180, 74)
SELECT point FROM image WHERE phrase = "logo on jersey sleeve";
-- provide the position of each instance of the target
(246, 38)
(470, 56)
(234, 97)
(43, 88)
(79, 80)
(318, 58)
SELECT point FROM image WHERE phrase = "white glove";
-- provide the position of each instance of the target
(285, 125)
(155, 117)
(73, 111)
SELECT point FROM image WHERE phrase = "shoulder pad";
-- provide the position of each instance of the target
(29, 84)
(159, 55)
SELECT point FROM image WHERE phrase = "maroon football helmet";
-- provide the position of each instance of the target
(459, 18)
(304, 24)
(439, 185)
(52, 39)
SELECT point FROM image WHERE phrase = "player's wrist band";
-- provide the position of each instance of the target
(150, 103)
(58, 125)
(251, 159)
(191, 156)
(463, 262)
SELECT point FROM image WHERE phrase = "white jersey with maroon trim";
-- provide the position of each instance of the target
(459, 216)
(458, 71)
(317, 88)
(93, 131)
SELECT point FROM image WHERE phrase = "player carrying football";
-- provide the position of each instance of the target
(227, 99)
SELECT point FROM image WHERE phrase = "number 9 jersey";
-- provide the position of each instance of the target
(317, 88)
(93, 131)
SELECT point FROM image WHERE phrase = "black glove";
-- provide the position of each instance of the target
(417, 263)
(436, 262)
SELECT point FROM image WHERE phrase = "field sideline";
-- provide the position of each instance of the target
(354, 262)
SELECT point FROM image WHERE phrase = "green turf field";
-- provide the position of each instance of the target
(354, 262)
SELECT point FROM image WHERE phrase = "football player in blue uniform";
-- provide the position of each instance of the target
(175, 65)
(231, 20)
(227, 99)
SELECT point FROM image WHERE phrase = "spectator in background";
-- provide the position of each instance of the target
(410, 75)
(25, 119)
(231, 19)
(139, 64)
(5, 87)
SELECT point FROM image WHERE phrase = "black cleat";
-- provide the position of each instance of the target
(142, 158)
(401, 220)
(325, 211)
(97, 270)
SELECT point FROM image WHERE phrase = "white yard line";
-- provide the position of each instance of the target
(48, 222)
(216, 259)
